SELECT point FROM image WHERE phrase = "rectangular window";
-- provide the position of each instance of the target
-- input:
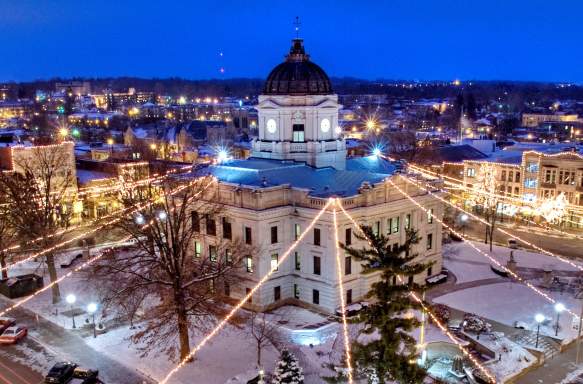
(408, 221)
(247, 292)
(430, 216)
(298, 133)
(510, 175)
(395, 225)
(297, 231)
(248, 260)
(517, 177)
(503, 176)
(471, 172)
(248, 237)
(227, 233)
(530, 183)
(531, 167)
(315, 296)
(211, 227)
(429, 241)
(213, 253)
(197, 249)
(516, 192)
(227, 289)
(317, 270)
(410, 280)
(276, 293)
(228, 256)
(376, 228)
(195, 221)
(296, 291)
(395, 247)
(273, 235)
(349, 296)
(274, 261)
(429, 272)
(298, 261)
(347, 265)
(348, 236)
(316, 236)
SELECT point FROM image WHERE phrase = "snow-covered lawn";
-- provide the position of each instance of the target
(469, 265)
(230, 353)
(510, 302)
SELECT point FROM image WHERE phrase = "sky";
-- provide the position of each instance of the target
(391, 39)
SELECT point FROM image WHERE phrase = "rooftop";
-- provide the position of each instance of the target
(321, 182)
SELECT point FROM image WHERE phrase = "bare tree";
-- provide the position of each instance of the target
(8, 236)
(40, 195)
(180, 268)
(485, 195)
(264, 329)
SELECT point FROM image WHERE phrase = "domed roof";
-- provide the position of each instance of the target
(297, 75)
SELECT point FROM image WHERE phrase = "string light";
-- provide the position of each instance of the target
(562, 259)
(247, 297)
(341, 291)
(415, 297)
(100, 255)
(493, 260)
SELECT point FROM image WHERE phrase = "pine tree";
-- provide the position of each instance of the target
(287, 370)
(392, 349)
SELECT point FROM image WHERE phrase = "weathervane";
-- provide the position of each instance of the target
(297, 27)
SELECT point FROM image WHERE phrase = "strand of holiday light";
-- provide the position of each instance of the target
(341, 291)
(80, 236)
(431, 314)
(562, 259)
(247, 297)
(70, 229)
(464, 239)
(99, 255)
(458, 183)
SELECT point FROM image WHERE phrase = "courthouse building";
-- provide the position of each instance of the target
(298, 162)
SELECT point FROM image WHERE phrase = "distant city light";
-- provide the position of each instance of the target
(376, 152)
(63, 132)
(222, 155)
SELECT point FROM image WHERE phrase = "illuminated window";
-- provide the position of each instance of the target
(298, 133)
(296, 291)
(531, 167)
(297, 231)
(298, 261)
(430, 216)
(213, 253)
(471, 172)
(530, 183)
(197, 249)
(376, 228)
(395, 225)
(274, 261)
(408, 221)
(248, 260)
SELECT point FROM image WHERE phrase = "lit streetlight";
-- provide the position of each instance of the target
(559, 307)
(71, 300)
(464, 219)
(539, 318)
(92, 308)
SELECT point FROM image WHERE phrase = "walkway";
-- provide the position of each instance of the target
(70, 346)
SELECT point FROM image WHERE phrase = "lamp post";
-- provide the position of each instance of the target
(71, 300)
(110, 143)
(92, 308)
(539, 318)
(464, 218)
(559, 307)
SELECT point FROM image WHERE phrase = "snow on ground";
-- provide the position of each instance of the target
(510, 359)
(467, 264)
(510, 302)
(571, 377)
(227, 355)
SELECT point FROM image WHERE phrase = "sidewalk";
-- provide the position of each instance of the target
(73, 347)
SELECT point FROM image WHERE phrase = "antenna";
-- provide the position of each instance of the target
(297, 26)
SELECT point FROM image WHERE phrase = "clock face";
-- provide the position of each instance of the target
(271, 126)
(325, 125)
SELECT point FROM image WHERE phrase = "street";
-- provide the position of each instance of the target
(12, 372)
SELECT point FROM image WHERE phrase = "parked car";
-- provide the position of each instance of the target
(13, 335)
(60, 373)
(6, 322)
(85, 376)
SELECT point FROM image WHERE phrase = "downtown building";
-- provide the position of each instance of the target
(298, 162)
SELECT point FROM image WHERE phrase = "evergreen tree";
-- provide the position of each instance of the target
(392, 349)
(287, 370)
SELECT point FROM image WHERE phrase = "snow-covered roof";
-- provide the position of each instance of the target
(322, 182)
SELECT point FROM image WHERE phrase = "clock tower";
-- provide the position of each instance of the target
(298, 114)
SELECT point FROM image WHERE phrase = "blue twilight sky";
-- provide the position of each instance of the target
(399, 39)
